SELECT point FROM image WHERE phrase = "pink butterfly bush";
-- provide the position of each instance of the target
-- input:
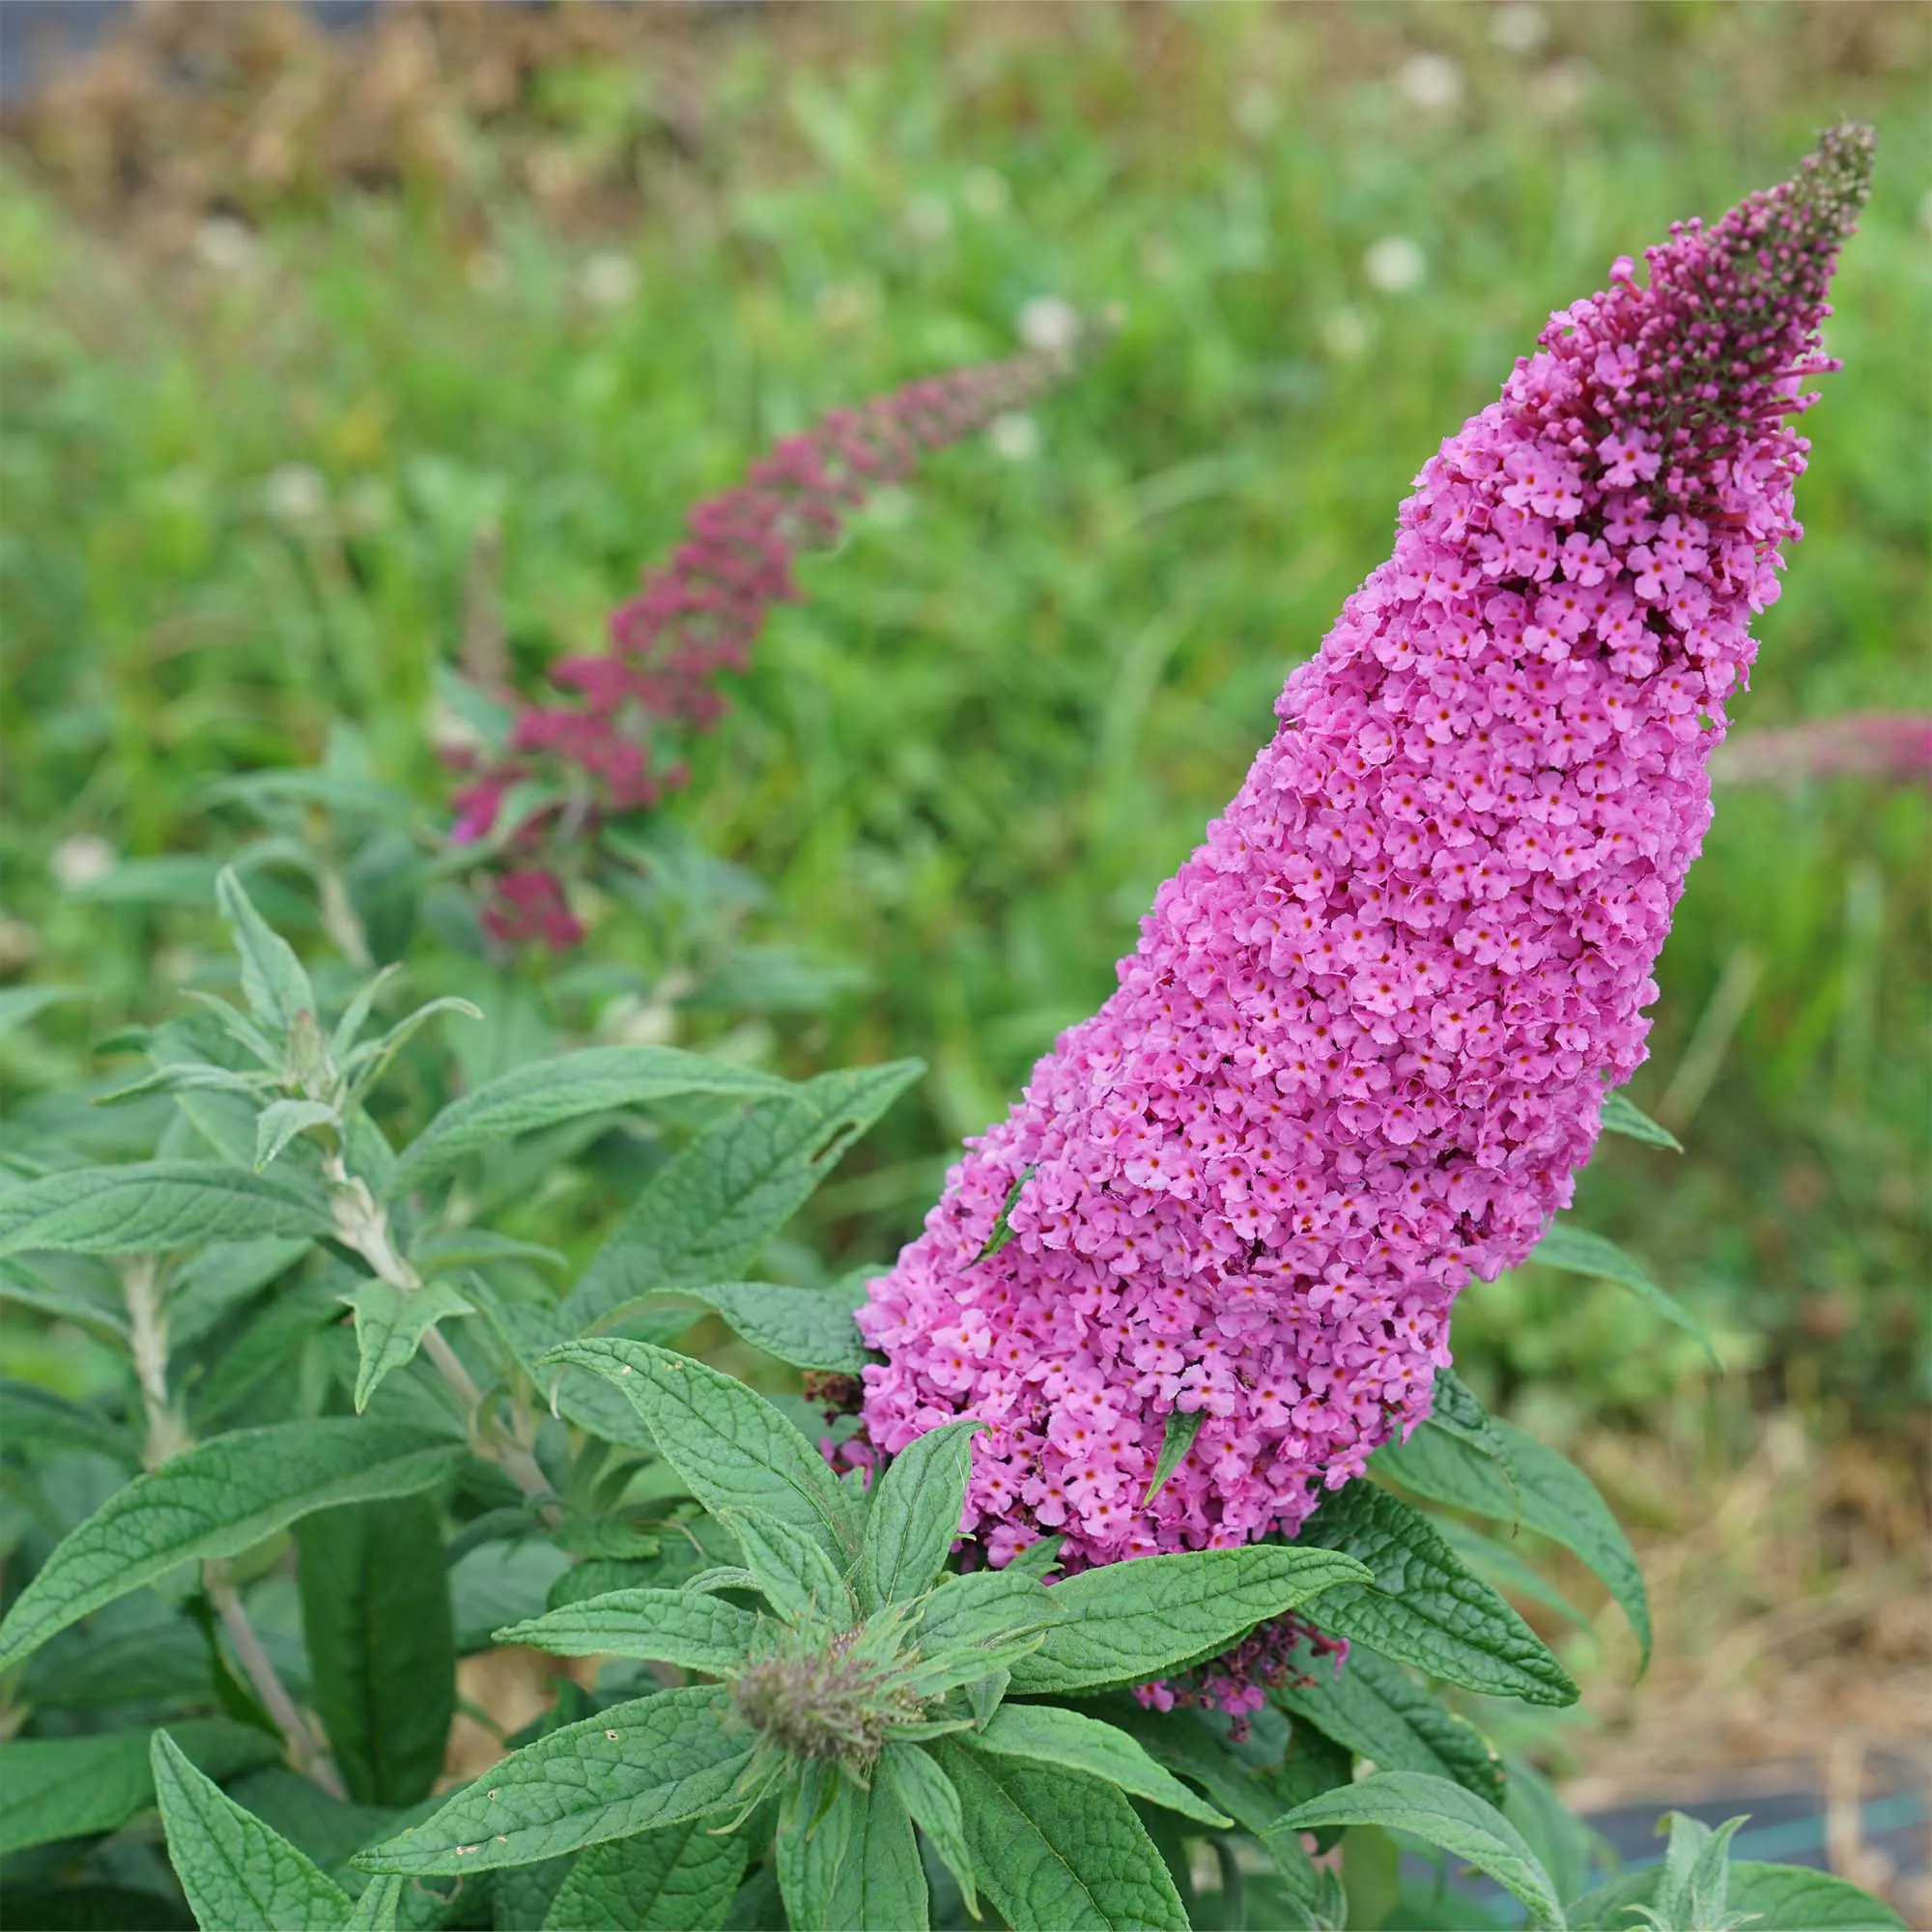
(694, 618)
(1361, 1048)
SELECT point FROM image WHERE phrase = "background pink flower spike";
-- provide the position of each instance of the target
(1361, 1049)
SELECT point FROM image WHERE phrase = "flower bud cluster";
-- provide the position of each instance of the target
(1361, 1049)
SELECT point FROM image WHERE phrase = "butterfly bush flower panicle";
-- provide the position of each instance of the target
(607, 740)
(1361, 1048)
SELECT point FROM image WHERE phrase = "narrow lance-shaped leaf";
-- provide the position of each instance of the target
(711, 1209)
(790, 1566)
(382, 1643)
(148, 1206)
(1622, 1116)
(1424, 1607)
(281, 1120)
(1443, 1814)
(1182, 1426)
(633, 1768)
(1578, 1251)
(235, 1871)
(809, 1327)
(731, 1447)
(1125, 1623)
(272, 977)
(595, 1080)
(1057, 1851)
(694, 1632)
(929, 1794)
(681, 1879)
(390, 1323)
(1758, 1898)
(913, 1518)
(215, 1500)
(853, 1863)
(1048, 1735)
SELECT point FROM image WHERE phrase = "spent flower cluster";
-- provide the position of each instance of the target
(1362, 1046)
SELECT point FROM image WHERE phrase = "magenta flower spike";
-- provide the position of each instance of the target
(693, 618)
(1361, 1049)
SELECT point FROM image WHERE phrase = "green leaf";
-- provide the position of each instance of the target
(34, 1419)
(1622, 1116)
(1125, 1623)
(1509, 1572)
(54, 1788)
(281, 1120)
(390, 1323)
(1049, 1735)
(1422, 1606)
(1550, 1495)
(1784, 1898)
(377, 1908)
(1182, 1426)
(851, 1861)
(1057, 1851)
(1445, 1815)
(19, 1004)
(1578, 1251)
(657, 1761)
(369, 1062)
(733, 1450)
(1003, 1232)
(1559, 1838)
(913, 1518)
(929, 1794)
(153, 1204)
(681, 1879)
(1376, 1709)
(382, 1643)
(272, 979)
(809, 1327)
(972, 1626)
(789, 1566)
(92, 1304)
(235, 1871)
(594, 1080)
(709, 1211)
(218, 1499)
(693, 1631)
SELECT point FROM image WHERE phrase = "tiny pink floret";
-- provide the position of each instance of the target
(1361, 1049)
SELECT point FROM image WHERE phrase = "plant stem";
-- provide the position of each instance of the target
(364, 1226)
(305, 1749)
(168, 1435)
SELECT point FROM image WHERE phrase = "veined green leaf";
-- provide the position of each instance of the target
(633, 1768)
(710, 1210)
(1622, 1116)
(971, 1625)
(1182, 1426)
(1443, 1814)
(852, 1862)
(235, 1871)
(1003, 1232)
(594, 1080)
(390, 1323)
(733, 1450)
(1374, 1708)
(1550, 1495)
(215, 1500)
(809, 1327)
(377, 1909)
(1049, 1735)
(1422, 1606)
(53, 1788)
(680, 1879)
(369, 1062)
(913, 1518)
(19, 1004)
(929, 1794)
(382, 1643)
(35, 1420)
(1770, 1898)
(149, 1205)
(95, 1305)
(272, 979)
(790, 1568)
(1500, 1564)
(281, 1120)
(1057, 1851)
(683, 1627)
(1578, 1251)
(1125, 1623)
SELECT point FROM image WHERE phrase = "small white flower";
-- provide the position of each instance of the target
(607, 279)
(1395, 265)
(1049, 324)
(927, 219)
(1345, 334)
(1518, 28)
(80, 860)
(296, 493)
(1432, 82)
(225, 244)
(1015, 435)
(985, 194)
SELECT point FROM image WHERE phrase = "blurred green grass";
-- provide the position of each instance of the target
(258, 411)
